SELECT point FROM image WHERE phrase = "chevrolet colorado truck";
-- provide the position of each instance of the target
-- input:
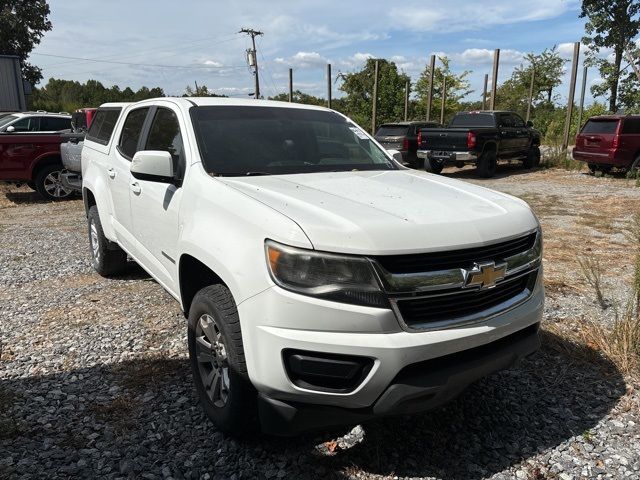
(481, 138)
(313, 296)
(30, 151)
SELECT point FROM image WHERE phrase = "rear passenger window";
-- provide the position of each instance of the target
(103, 124)
(54, 124)
(631, 126)
(131, 132)
(165, 135)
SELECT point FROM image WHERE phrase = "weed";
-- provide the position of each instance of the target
(592, 272)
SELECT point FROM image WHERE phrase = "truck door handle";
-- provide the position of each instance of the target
(135, 188)
(112, 173)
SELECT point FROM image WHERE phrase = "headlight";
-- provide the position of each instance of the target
(334, 277)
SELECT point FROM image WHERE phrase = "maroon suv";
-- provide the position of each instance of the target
(609, 141)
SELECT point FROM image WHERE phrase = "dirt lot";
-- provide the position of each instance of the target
(94, 380)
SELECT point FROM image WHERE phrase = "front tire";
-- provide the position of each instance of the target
(533, 158)
(433, 166)
(216, 354)
(107, 258)
(49, 185)
(487, 164)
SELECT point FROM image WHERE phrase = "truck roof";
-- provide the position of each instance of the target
(223, 101)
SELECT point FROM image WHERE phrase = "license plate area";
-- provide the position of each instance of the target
(443, 155)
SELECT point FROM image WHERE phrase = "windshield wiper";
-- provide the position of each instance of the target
(255, 174)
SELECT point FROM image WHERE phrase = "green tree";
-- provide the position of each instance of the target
(513, 94)
(610, 24)
(199, 91)
(22, 25)
(458, 87)
(301, 97)
(358, 87)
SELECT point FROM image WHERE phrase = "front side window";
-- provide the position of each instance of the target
(249, 140)
(165, 135)
(517, 121)
(131, 131)
(27, 124)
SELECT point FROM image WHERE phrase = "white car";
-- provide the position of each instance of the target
(323, 282)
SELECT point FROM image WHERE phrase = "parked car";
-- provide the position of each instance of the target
(608, 141)
(403, 136)
(30, 151)
(313, 297)
(481, 138)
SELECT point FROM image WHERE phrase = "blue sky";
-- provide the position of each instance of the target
(179, 42)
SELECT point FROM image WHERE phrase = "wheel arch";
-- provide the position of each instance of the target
(193, 276)
(44, 161)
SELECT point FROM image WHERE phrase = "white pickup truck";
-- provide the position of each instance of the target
(324, 283)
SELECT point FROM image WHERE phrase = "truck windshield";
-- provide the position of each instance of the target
(473, 120)
(246, 140)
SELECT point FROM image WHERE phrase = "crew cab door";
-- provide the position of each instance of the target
(522, 135)
(508, 138)
(155, 205)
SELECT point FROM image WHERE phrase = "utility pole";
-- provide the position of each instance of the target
(252, 56)
(328, 85)
(432, 67)
(494, 80)
(533, 76)
(406, 101)
(572, 92)
(444, 98)
(584, 87)
(484, 92)
(374, 100)
(290, 85)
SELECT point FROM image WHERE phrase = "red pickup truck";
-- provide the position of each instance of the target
(609, 141)
(30, 151)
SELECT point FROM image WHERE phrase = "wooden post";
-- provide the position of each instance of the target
(432, 67)
(374, 100)
(406, 101)
(494, 80)
(291, 85)
(572, 92)
(584, 87)
(329, 85)
(444, 98)
(484, 92)
(533, 76)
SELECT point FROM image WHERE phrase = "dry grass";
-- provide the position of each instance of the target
(555, 156)
(592, 272)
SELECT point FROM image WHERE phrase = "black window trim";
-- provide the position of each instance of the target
(143, 132)
(95, 139)
(146, 131)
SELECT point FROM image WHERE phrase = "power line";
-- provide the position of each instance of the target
(139, 64)
(252, 55)
(276, 91)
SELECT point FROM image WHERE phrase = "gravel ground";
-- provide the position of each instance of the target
(94, 380)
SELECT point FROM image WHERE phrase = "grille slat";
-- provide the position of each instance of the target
(464, 258)
(436, 309)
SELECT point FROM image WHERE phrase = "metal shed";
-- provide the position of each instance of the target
(11, 84)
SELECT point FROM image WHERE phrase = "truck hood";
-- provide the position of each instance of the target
(389, 212)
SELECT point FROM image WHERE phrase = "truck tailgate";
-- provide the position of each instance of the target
(444, 139)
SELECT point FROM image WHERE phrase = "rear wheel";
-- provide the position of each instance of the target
(487, 164)
(592, 168)
(634, 169)
(533, 158)
(48, 183)
(107, 258)
(218, 363)
(433, 166)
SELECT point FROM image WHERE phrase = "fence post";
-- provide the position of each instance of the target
(374, 100)
(584, 87)
(572, 92)
(484, 92)
(494, 80)
(432, 67)
(291, 85)
(406, 100)
(533, 76)
(444, 98)
(329, 85)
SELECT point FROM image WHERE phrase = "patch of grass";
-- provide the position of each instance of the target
(554, 156)
(592, 272)
(145, 372)
(118, 412)
(602, 223)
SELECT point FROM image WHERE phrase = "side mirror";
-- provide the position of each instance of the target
(10, 129)
(397, 155)
(529, 124)
(153, 166)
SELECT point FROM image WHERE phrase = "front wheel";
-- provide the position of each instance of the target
(48, 183)
(533, 158)
(433, 166)
(218, 364)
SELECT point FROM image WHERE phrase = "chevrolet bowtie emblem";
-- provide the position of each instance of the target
(486, 274)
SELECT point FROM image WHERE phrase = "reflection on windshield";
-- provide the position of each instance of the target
(6, 120)
(245, 140)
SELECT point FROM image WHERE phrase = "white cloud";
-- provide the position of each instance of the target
(356, 60)
(483, 56)
(212, 63)
(304, 60)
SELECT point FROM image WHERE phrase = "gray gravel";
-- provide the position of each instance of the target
(94, 382)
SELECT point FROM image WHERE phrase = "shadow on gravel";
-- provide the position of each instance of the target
(503, 170)
(32, 197)
(140, 418)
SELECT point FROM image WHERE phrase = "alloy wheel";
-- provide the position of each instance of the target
(53, 186)
(213, 364)
(95, 245)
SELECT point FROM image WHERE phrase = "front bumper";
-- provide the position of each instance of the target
(276, 320)
(448, 157)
